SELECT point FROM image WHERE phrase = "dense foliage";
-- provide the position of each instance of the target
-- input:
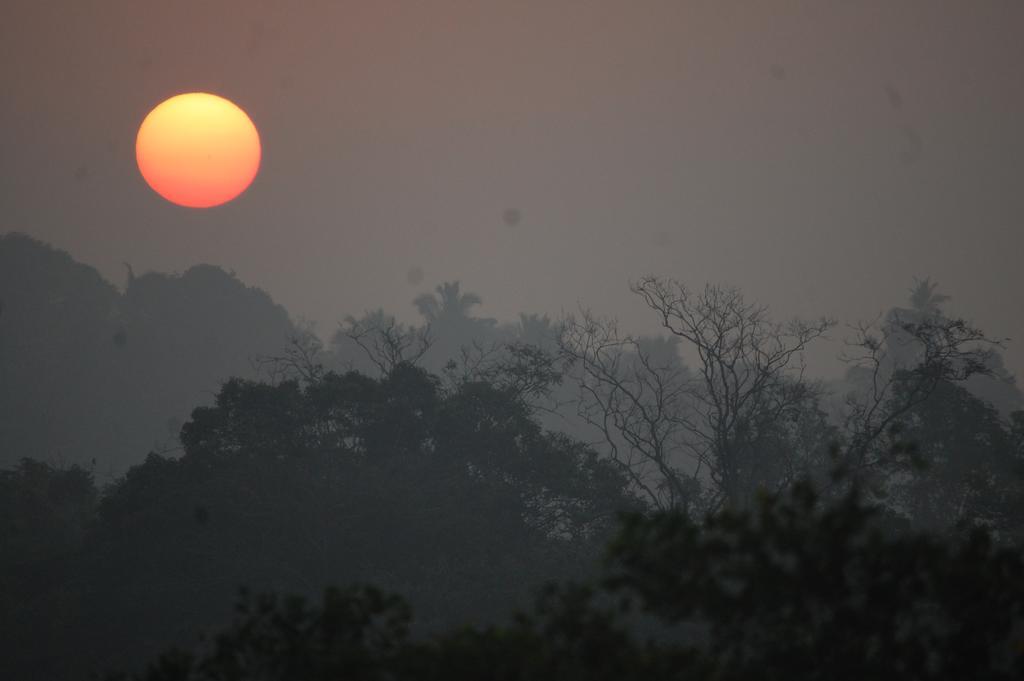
(797, 589)
(453, 496)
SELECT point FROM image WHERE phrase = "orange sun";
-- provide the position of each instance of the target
(198, 150)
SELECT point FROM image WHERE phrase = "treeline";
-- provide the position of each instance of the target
(96, 376)
(772, 519)
(720, 407)
(449, 493)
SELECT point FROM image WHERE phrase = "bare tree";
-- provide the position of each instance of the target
(387, 342)
(639, 408)
(718, 423)
(299, 359)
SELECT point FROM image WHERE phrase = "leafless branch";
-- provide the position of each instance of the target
(386, 342)
(299, 359)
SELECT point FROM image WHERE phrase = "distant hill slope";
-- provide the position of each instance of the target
(94, 376)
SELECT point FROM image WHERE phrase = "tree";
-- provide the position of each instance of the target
(300, 359)
(638, 408)
(744, 401)
(896, 365)
(798, 587)
(449, 306)
(452, 326)
(925, 298)
(384, 341)
(801, 588)
(451, 492)
(962, 457)
(538, 331)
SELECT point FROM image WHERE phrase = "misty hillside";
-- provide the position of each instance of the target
(95, 376)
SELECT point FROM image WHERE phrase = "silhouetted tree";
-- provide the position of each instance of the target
(452, 326)
(895, 367)
(449, 306)
(673, 428)
(448, 491)
(383, 340)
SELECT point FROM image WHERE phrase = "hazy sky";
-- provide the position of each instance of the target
(819, 155)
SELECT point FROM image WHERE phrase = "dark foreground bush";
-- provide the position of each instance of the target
(796, 589)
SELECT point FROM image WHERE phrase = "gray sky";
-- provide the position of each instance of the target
(819, 155)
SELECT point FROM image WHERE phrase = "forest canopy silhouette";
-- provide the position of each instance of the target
(690, 505)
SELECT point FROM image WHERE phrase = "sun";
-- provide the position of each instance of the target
(198, 150)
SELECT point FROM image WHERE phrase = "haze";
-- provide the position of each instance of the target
(818, 154)
(619, 341)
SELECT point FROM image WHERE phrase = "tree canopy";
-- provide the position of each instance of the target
(792, 589)
(450, 493)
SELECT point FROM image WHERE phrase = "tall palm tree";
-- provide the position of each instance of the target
(448, 305)
(537, 330)
(924, 298)
(452, 326)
